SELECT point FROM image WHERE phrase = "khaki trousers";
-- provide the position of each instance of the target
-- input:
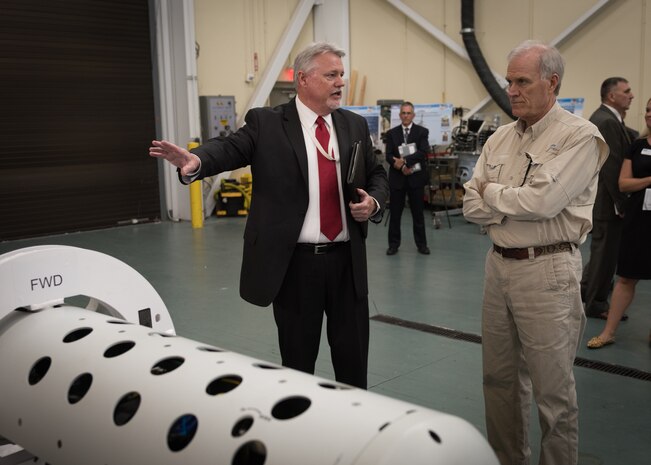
(532, 322)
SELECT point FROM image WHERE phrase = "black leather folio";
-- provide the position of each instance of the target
(355, 176)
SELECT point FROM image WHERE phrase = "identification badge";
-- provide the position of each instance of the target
(646, 206)
(646, 151)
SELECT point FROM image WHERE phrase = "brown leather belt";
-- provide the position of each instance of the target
(320, 249)
(526, 253)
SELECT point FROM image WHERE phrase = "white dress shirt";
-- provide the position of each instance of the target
(311, 231)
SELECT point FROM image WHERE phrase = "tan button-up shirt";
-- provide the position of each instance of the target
(540, 182)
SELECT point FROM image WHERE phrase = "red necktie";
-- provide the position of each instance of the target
(328, 187)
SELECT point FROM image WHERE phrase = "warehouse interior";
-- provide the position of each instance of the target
(85, 93)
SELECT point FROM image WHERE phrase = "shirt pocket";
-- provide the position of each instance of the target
(536, 161)
(494, 167)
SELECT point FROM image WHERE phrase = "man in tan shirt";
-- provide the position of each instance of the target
(533, 189)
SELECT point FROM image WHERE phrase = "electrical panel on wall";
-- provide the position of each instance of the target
(217, 115)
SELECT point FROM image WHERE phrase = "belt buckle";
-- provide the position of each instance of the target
(320, 249)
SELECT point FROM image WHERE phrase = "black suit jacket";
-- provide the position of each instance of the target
(272, 143)
(395, 137)
(619, 141)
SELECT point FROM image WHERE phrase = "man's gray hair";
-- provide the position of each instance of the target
(551, 62)
(305, 59)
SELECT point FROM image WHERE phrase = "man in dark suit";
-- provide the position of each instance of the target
(608, 210)
(406, 153)
(304, 240)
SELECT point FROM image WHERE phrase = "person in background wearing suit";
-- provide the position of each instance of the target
(634, 261)
(407, 177)
(608, 211)
(304, 239)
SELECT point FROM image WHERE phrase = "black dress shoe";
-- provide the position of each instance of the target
(424, 250)
(392, 251)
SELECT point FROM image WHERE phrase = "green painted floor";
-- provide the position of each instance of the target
(196, 272)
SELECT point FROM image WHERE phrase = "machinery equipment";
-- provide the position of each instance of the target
(468, 139)
(234, 197)
(217, 115)
(117, 387)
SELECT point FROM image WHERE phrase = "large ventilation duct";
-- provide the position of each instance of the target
(477, 59)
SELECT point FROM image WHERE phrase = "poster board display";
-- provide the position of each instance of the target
(437, 117)
(573, 105)
(372, 115)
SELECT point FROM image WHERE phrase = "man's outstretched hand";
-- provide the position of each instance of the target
(187, 162)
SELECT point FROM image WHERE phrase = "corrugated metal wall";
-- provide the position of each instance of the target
(76, 116)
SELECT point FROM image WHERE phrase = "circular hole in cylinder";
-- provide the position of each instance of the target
(250, 453)
(39, 370)
(126, 408)
(79, 387)
(223, 384)
(166, 365)
(435, 436)
(118, 322)
(181, 432)
(290, 407)
(119, 348)
(242, 426)
(335, 387)
(264, 366)
(77, 334)
(210, 349)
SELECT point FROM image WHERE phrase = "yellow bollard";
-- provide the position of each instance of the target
(196, 197)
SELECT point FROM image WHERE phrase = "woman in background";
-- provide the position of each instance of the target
(634, 261)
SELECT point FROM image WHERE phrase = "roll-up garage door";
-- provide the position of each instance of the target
(76, 116)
